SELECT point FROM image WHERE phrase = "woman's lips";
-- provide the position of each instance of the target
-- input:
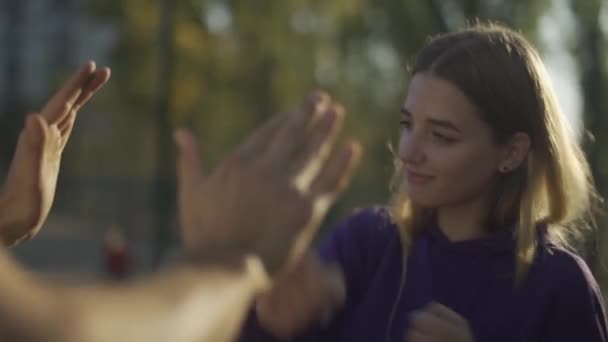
(417, 177)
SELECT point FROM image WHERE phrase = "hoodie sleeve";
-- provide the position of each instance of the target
(577, 312)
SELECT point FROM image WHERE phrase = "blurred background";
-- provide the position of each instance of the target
(220, 67)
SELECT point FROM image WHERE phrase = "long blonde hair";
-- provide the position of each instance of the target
(503, 75)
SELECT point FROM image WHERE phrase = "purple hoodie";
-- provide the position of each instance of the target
(558, 301)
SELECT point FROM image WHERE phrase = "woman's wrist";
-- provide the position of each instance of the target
(229, 260)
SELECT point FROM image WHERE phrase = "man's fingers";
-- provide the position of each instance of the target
(66, 124)
(293, 132)
(97, 80)
(63, 101)
(315, 152)
(338, 171)
(65, 130)
(330, 182)
(276, 134)
(189, 165)
(257, 142)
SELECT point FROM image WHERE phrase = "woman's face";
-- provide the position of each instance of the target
(448, 153)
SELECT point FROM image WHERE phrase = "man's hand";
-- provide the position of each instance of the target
(27, 196)
(270, 195)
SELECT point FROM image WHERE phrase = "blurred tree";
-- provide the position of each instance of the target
(236, 62)
(592, 63)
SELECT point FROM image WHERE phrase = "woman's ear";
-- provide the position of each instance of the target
(515, 152)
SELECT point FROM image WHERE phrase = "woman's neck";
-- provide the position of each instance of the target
(463, 221)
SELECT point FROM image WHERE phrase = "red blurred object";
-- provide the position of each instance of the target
(117, 254)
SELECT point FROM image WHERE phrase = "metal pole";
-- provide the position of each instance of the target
(165, 194)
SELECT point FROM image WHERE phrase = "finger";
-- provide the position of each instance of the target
(444, 313)
(62, 102)
(257, 142)
(189, 165)
(52, 136)
(66, 129)
(337, 172)
(328, 185)
(67, 120)
(293, 132)
(317, 150)
(96, 81)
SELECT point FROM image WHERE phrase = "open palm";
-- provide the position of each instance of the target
(27, 196)
(270, 195)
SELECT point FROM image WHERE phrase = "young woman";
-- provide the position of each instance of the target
(474, 246)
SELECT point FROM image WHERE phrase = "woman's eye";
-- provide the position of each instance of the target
(443, 138)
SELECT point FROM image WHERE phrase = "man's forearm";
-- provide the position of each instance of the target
(14, 222)
(182, 304)
(178, 305)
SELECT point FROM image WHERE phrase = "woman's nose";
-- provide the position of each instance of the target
(411, 149)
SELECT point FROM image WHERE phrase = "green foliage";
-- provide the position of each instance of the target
(237, 62)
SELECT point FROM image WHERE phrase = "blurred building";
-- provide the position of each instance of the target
(43, 39)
